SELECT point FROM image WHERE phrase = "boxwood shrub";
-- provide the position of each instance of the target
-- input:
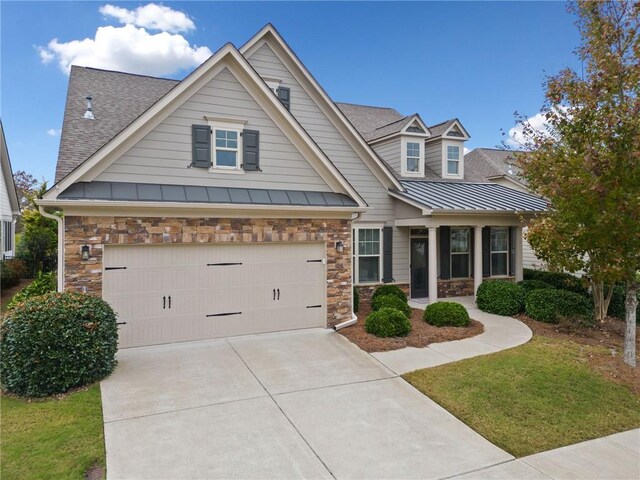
(44, 283)
(387, 322)
(392, 301)
(443, 314)
(56, 342)
(559, 280)
(500, 297)
(531, 285)
(389, 290)
(553, 305)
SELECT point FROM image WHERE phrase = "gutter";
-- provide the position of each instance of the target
(60, 245)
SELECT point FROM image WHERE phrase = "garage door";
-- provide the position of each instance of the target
(192, 292)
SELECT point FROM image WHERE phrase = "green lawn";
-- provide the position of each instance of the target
(51, 438)
(531, 398)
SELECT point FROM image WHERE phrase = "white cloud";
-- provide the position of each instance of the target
(151, 16)
(466, 150)
(53, 132)
(127, 49)
(516, 134)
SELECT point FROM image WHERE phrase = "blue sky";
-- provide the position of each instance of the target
(478, 61)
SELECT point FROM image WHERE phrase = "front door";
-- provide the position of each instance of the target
(419, 281)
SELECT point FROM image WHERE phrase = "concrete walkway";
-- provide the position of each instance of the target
(614, 457)
(499, 333)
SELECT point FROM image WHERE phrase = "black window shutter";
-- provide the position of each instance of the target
(284, 94)
(445, 253)
(512, 251)
(472, 246)
(251, 150)
(486, 251)
(387, 254)
(201, 143)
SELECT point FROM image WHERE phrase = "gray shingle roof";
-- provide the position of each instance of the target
(483, 163)
(118, 99)
(367, 119)
(120, 191)
(438, 129)
(464, 196)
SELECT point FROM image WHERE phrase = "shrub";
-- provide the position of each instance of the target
(531, 285)
(443, 314)
(553, 305)
(500, 297)
(529, 273)
(9, 276)
(56, 342)
(44, 283)
(382, 301)
(389, 290)
(562, 281)
(356, 300)
(387, 322)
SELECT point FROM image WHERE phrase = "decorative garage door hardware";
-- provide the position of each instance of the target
(164, 302)
(320, 260)
(314, 306)
(115, 268)
(224, 314)
(223, 264)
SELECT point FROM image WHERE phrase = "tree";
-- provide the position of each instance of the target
(26, 186)
(586, 161)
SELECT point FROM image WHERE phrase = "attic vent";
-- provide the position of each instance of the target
(89, 113)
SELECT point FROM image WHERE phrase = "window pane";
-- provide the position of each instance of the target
(413, 149)
(499, 239)
(453, 153)
(498, 264)
(412, 165)
(452, 167)
(460, 266)
(225, 158)
(369, 269)
(226, 139)
(459, 239)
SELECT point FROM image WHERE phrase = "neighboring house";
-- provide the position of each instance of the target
(499, 166)
(9, 205)
(242, 199)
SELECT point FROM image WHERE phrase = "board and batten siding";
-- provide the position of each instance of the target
(328, 138)
(164, 155)
(433, 156)
(390, 152)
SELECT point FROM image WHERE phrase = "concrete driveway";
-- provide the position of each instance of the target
(305, 404)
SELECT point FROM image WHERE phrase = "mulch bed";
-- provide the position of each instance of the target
(608, 334)
(421, 335)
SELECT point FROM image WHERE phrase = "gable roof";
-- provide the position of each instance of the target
(7, 173)
(226, 57)
(441, 129)
(486, 163)
(118, 99)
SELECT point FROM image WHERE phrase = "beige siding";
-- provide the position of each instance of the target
(391, 153)
(163, 156)
(401, 254)
(433, 156)
(529, 259)
(303, 107)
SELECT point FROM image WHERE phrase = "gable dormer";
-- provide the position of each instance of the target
(444, 149)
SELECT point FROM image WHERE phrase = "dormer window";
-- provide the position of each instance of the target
(453, 160)
(412, 157)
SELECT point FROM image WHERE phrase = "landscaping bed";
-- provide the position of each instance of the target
(421, 335)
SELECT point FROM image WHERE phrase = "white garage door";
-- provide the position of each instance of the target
(192, 292)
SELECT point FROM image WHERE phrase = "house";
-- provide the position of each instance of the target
(9, 204)
(499, 166)
(242, 199)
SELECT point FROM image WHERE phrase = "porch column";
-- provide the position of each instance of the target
(433, 265)
(477, 258)
(519, 259)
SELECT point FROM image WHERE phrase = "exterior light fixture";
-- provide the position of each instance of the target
(84, 253)
(339, 246)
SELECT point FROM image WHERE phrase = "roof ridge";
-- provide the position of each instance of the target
(126, 73)
(362, 105)
(395, 121)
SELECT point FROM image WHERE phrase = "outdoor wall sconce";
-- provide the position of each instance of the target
(84, 253)
(339, 246)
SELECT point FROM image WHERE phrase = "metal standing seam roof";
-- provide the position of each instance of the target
(147, 192)
(470, 197)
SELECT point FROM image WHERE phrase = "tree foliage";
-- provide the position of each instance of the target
(586, 161)
(26, 187)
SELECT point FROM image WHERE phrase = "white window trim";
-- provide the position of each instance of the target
(452, 253)
(231, 125)
(355, 254)
(403, 168)
(445, 159)
(491, 252)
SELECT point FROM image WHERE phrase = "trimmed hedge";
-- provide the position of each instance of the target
(44, 283)
(500, 297)
(531, 285)
(387, 322)
(551, 306)
(443, 314)
(356, 300)
(57, 342)
(559, 280)
(391, 301)
(389, 290)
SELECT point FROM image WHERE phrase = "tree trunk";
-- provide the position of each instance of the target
(630, 317)
(600, 300)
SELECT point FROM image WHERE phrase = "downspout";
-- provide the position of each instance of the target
(60, 245)
(354, 318)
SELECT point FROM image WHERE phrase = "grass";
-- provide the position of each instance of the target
(52, 438)
(532, 398)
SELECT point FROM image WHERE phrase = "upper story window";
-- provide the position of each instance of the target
(226, 151)
(453, 160)
(413, 157)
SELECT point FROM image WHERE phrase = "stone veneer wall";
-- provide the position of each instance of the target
(455, 288)
(97, 232)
